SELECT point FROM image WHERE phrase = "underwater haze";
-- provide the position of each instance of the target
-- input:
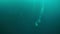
(29, 16)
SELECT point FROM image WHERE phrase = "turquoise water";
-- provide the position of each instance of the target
(29, 16)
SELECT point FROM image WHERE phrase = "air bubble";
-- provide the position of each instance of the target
(36, 24)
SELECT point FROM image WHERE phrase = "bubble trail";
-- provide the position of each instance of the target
(41, 13)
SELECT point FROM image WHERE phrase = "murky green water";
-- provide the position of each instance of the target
(29, 16)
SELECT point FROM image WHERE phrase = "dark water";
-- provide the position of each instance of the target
(19, 17)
